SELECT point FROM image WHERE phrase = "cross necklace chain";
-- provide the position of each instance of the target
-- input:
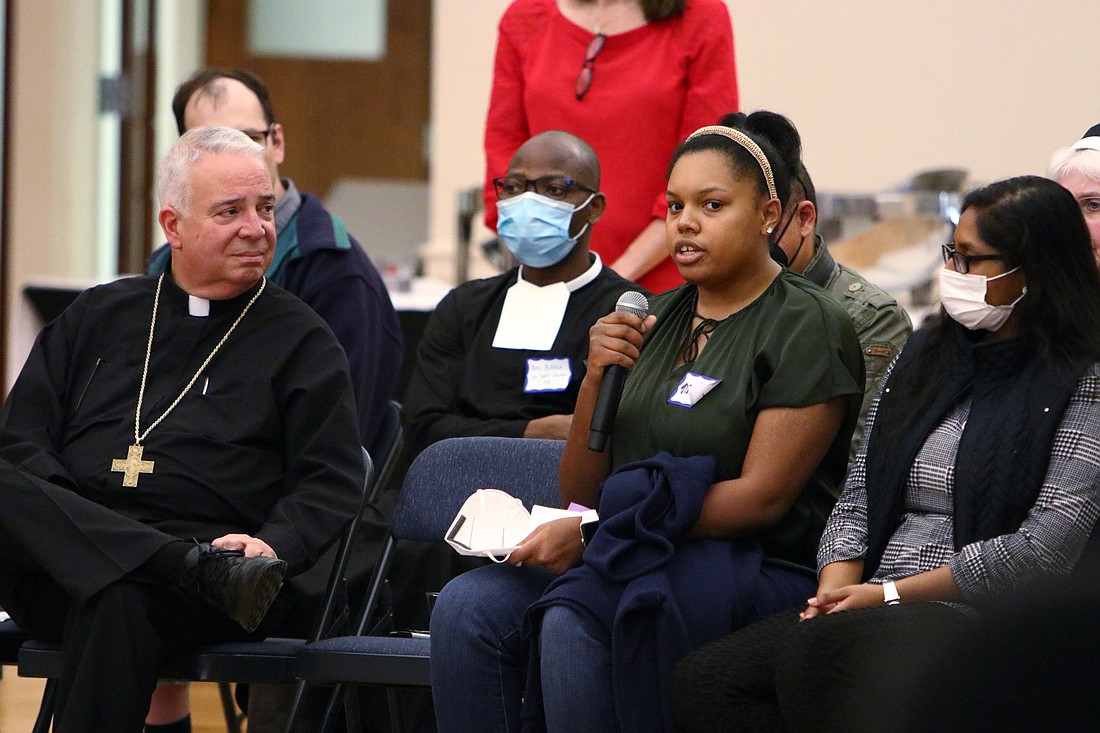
(132, 465)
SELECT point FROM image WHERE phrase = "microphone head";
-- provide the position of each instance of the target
(633, 302)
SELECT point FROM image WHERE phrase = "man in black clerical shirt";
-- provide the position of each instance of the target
(318, 260)
(505, 355)
(173, 446)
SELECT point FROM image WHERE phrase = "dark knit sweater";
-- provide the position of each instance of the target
(1017, 403)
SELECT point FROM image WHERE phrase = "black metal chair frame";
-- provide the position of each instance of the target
(272, 660)
(11, 638)
(386, 661)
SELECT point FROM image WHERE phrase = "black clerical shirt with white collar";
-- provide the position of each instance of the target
(263, 443)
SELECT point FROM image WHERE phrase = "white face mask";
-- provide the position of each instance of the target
(963, 297)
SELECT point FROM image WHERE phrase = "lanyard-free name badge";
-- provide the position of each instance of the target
(692, 388)
(547, 375)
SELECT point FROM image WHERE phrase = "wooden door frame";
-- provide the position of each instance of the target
(5, 194)
(136, 182)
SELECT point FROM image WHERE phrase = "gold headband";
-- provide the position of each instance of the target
(748, 144)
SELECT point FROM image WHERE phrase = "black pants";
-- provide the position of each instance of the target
(70, 572)
(838, 672)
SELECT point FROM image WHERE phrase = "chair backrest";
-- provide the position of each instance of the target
(328, 610)
(445, 474)
(386, 447)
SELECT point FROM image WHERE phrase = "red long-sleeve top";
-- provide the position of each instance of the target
(651, 87)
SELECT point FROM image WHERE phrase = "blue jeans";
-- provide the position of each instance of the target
(479, 661)
(575, 659)
(575, 653)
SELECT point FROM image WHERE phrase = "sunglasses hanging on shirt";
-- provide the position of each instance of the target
(584, 77)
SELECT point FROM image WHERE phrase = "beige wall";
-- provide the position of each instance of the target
(463, 41)
(54, 166)
(53, 159)
(879, 90)
(181, 48)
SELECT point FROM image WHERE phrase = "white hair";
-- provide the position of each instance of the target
(1067, 161)
(174, 173)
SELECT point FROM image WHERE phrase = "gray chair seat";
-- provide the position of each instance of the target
(387, 661)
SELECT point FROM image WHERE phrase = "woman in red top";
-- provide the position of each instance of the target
(584, 66)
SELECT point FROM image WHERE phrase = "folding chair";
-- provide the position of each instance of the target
(245, 667)
(11, 638)
(272, 660)
(386, 449)
(437, 483)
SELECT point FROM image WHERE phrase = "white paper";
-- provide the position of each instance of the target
(542, 514)
(532, 316)
(492, 523)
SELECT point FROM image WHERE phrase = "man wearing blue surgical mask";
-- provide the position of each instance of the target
(505, 355)
(535, 217)
(539, 218)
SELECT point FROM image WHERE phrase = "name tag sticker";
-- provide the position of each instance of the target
(547, 375)
(693, 388)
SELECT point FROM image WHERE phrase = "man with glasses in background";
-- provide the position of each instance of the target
(315, 257)
(504, 356)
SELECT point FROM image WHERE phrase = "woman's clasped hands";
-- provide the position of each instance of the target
(845, 598)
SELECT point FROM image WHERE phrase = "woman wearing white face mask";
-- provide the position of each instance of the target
(971, 266)
(978, 474)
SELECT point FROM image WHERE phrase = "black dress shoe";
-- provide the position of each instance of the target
(243, 587)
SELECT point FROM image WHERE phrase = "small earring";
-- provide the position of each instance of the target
(770, 229)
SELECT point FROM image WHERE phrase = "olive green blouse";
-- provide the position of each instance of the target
(791, 347)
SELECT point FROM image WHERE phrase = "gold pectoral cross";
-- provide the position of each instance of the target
(132, 465)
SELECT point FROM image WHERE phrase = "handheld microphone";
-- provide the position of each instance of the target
(611, 389)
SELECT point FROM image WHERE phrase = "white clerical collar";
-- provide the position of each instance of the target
(199, 307)
(532, 314)
(581, 280)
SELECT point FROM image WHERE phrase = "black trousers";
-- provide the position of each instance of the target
(70, 572)
(839, 672)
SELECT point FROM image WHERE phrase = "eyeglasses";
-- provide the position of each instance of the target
(1090, 205)
(584, 77)
(554, 187)
(962, 261)
(260, 136)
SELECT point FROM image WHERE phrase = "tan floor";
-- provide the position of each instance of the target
(19, 704)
